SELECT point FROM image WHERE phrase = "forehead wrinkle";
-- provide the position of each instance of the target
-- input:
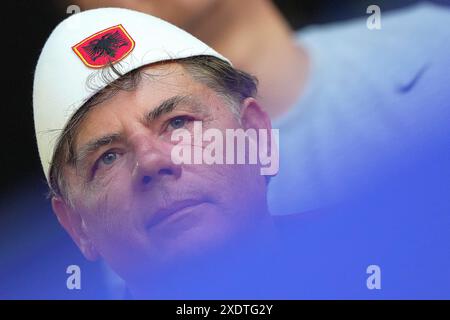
(174, 103)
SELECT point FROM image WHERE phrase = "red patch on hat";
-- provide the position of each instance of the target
(105, 47)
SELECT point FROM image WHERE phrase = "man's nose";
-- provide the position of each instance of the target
(153, 165)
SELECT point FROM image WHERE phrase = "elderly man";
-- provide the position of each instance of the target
(112, 88)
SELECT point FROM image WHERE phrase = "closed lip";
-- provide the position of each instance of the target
(162, 214)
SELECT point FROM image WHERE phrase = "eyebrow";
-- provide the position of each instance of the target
(94, 145)
(164, 107)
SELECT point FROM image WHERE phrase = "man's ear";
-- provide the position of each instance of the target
(74, 225)
(253, 116)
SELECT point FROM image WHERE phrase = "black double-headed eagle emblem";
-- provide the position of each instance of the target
(107, 45)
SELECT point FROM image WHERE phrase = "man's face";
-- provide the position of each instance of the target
(139, 209)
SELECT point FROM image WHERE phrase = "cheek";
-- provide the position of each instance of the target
(233, 186)
(109, 190)
(109, 204)
(246, 181)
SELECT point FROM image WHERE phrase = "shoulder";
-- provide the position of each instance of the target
(412, 35)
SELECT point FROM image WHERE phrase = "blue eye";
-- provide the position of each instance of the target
(178, 122)
(109, 157)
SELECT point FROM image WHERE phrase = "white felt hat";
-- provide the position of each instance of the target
(67, 72)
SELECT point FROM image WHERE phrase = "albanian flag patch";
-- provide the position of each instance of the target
(105, 47)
